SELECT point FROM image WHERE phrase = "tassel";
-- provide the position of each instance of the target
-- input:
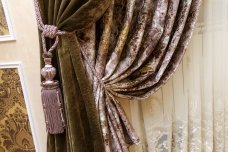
(52, 100)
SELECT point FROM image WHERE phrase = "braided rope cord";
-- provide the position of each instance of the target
(49, 31)
(52, 32)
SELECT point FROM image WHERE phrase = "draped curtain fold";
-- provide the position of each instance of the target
(83, 132)
(121, 48)
(189, 113)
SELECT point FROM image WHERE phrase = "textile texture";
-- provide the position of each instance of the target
(189, 113)
(120, 48)
(15, 132)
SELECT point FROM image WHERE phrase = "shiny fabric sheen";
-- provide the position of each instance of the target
(138, 46)
(130, 49)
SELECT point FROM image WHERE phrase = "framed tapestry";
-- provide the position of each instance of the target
(17, 132)
(6, 31)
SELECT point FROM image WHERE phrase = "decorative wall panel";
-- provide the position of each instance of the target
(6, 32)
(15, 132)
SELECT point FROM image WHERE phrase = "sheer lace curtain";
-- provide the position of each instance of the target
(190, 113)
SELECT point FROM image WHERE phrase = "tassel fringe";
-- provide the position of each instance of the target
(53, 110)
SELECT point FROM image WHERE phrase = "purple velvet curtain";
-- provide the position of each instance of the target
(130, 53)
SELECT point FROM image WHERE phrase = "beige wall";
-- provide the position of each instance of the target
(26, 50)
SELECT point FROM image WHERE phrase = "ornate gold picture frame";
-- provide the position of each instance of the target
(17, 132)
(6, 30)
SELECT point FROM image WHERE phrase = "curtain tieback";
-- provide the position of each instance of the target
(50, 94)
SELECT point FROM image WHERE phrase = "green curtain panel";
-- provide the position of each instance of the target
(83, 133)
(120, 48)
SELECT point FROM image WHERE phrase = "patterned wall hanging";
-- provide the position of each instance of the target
(16, 131)
(6, 31)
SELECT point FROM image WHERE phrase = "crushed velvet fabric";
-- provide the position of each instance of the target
(121, 48)
(83, 132)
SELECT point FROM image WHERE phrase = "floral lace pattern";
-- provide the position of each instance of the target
(160, 140)
(219, 130)
(179, 136)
